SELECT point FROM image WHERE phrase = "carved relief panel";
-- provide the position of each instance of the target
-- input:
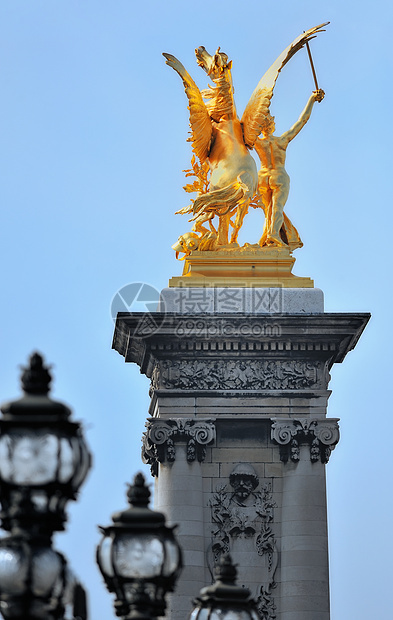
(242, 514)
(237, 374)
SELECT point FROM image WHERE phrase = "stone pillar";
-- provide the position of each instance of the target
(238, 436)
(180, 497)
(175, 450)
(305, 447)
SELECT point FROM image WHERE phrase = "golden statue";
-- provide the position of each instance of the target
(222, 143)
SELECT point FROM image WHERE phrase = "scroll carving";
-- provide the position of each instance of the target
(242, 518)
(322, 436)
(160, 438)
(238, 375)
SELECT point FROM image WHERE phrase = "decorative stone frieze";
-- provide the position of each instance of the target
(238, 374)
(322, 436)
(160, 437)
(242, 518)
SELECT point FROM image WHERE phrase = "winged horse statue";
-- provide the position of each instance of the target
(222, 141)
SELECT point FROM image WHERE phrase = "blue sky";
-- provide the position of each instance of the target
(92, 147)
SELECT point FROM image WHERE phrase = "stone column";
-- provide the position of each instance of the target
(175, 449)
(238, 436)
(305, 447)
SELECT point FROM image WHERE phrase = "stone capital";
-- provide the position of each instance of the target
(321, 435)
(160, 438)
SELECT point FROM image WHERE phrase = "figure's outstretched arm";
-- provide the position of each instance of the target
(289, 135)
(257, 108)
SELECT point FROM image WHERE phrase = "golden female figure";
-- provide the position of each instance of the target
(273, 180)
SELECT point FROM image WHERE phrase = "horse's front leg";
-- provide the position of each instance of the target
(198, 224)
(241, 213)
(223, 227)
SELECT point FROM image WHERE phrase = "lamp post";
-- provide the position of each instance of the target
(224, 600)
(43, 462)
(139, 557)
(43, 456)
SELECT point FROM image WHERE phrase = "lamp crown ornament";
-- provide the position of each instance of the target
(225, 571)
(138, 514)
(138, 493)
(36, 406)
(224, 599)
(36, 377)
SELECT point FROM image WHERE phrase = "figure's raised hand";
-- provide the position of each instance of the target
(319, 94)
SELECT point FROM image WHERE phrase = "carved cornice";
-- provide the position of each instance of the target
(239, 374)
(145, 338)
(160, 437)
(322, 436)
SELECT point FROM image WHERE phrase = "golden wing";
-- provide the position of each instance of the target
(200, 122)
(258, 106)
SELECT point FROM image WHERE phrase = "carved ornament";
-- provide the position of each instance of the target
(322, 436)
(237, 374)
(242, 517)
(160, 438)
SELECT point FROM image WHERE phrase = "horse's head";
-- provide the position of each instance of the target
(215, 65)
(185, 244)
(220, 96)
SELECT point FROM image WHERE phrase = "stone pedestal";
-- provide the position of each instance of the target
(249, 266)
(238, 438)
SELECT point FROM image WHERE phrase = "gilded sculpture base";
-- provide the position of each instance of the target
(249, 266)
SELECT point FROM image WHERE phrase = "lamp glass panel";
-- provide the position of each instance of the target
(5, 461)
(105, 556)
(229, 614)
(68, 589)
(47, 569)
(13, 570)
(138, 556)
(82, 456)
(67, 460)
(200, 613)
(30, 457)
(172, 558)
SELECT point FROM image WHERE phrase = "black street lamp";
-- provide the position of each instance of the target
(43, 456)
(43, 462)
(139, 557)
(224, 600)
